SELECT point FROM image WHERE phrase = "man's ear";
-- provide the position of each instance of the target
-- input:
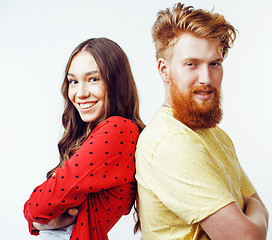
(163, 69)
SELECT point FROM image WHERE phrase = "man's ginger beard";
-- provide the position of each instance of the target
(193, 114)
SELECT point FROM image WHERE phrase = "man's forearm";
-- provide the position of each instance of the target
(258, 215)
(256, 196)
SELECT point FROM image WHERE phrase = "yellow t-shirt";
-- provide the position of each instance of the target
(184, 176)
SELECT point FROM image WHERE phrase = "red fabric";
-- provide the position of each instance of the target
(99, 178)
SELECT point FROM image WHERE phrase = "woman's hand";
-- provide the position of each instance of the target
(64, 220)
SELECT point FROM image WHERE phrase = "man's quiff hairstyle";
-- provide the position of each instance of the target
(170, 24)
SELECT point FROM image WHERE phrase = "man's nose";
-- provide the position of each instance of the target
(205, 76)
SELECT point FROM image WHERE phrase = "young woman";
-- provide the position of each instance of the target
(95, 176)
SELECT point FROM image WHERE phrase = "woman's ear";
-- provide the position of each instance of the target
(163, 69)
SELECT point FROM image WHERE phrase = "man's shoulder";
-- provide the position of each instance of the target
(165, 130)
(158, 128)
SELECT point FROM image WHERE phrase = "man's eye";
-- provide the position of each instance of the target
(190, 64)
(216, 64)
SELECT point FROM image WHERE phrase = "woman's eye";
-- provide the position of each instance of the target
(72, 81)
(93, 79)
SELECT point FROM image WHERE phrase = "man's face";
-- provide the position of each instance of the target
(196, 62)
(195, 76)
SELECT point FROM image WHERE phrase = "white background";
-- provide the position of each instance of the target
(36, 38)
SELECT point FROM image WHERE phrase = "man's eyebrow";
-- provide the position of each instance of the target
(198, 59)
(189, 59)
(86, 74)
(218, 60)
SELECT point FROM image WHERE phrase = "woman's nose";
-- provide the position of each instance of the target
(83, 91)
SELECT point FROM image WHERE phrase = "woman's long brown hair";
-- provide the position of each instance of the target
(121, 98)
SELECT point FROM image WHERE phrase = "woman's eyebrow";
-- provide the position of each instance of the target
(86, 74)
(91, 72)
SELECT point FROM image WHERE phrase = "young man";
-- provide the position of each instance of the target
(190, 183)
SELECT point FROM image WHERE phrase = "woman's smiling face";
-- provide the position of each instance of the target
(87, 90)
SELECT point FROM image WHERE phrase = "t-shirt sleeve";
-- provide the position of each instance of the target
(247, 188)
(105, 160)
(186, 179)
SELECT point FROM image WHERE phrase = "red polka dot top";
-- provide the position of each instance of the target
(98, 179)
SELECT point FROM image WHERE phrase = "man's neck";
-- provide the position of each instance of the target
(166, 103)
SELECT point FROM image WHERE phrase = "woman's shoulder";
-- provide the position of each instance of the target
(118, 123)
(119, 119)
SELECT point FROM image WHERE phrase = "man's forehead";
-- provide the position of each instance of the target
(191, 47)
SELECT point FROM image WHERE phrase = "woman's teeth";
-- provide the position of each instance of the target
(87, 105)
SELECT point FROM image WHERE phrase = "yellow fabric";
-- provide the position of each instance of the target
(184, 176)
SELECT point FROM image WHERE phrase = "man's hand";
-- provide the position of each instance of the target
(64, 220)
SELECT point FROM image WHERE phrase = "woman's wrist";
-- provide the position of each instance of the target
(40, 227)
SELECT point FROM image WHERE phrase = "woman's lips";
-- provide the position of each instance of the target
(87, 106)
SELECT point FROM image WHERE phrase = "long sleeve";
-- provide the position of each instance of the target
(104, 161)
